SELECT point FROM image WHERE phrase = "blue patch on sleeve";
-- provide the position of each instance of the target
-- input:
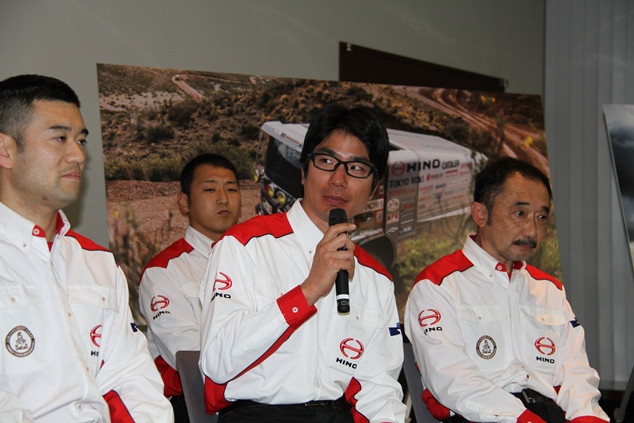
(134, 327)
(575, 323)
(395, 330)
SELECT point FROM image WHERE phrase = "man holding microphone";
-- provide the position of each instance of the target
(274, 346)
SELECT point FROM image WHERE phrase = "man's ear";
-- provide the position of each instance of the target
(8, 150)
(183, 203)
(480, 214)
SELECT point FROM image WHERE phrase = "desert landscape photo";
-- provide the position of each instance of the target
(153, 120)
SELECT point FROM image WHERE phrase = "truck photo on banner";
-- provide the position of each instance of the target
(154, 120)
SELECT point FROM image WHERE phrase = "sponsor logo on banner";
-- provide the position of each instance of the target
(450, 164)
(429, 164)
(398, 169)
(392, 217)
(393, 204)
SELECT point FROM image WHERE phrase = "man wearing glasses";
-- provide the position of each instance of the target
(274, 347)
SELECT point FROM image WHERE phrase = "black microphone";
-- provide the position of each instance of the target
(335, 217)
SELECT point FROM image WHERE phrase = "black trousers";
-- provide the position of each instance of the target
(316, 412)
(544, 407)
(180, 409)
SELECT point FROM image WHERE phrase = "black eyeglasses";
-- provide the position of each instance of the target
(329, 163)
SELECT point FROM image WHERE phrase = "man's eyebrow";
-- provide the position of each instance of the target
(215, 181)
(334, 153)
(525, 203)
(84, 131)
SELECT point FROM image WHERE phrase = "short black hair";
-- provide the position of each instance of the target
(17, 95)
(215, 160)
(490, 181)
(361, 122)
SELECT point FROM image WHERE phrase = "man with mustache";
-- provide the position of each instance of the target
(71, 351)
(495, 338)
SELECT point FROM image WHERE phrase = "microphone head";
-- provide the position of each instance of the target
(337, 216)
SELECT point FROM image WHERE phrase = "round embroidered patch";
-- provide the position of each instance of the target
(486, 347)
(20, 341)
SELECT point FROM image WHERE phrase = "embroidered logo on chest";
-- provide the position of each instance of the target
(486, 347)
(20, 341)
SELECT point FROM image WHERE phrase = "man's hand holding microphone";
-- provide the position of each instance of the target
(333, 262)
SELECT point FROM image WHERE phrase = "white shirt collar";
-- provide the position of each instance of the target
(483, 260)
(22, 232)
(199, 241)
(307, 233)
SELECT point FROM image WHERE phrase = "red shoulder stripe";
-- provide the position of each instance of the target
(439, 270)
(86, 243)
(541, 275)
(276, 225)
(365, 259)
(176, 249)
(163, 258)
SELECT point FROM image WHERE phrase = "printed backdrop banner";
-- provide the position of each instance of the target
(154, 120)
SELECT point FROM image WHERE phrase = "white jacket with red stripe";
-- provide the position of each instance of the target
(479, 335)
(71, 352)
(168, 299)
(261, 340)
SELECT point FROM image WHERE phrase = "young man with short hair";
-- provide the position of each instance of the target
(71, 351)
(169, 286)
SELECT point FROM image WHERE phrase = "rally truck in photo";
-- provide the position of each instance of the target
(427, 178)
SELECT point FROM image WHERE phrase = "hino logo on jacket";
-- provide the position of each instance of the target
(222, 283)
(351, 348)
(159, 302)
(546, 347)
(427, 319)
